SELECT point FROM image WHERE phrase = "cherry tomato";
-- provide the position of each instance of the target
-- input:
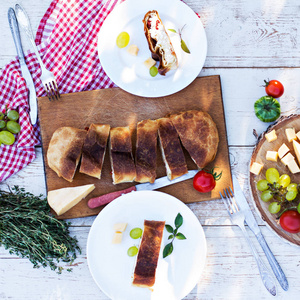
(290, 221)
(274, 88)
(205, 181)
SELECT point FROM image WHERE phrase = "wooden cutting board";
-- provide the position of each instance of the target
(119, 108)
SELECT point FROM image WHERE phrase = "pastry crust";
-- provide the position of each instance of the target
(171, 149)
(146, 151)
(93, 150)
(122, 164)
(198, 134)
(146, 263)
(64, 151)
(159, 42)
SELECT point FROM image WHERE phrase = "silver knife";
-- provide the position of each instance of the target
(13, 24)
(252, 224)
(158, 183)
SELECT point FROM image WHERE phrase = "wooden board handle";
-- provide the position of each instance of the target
(104, 199)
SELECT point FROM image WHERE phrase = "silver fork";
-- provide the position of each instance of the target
(238, 218)
(47, 77)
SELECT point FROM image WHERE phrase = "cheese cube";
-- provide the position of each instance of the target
(271, 136)
(272, 155)
(133, 50)
(298, 135)
(296, 146)
(290, 134)
(293, 167)
(120, 227)
(283, 150)
(117, 238)
(287, 158)
(62, 200)
(150, 62)
(256, 168)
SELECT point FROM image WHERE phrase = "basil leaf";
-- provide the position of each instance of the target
(168, 250)
(180, 236)
(170, 236)
(184, 47)
(169, 228)
(173, 30)
(178, 220)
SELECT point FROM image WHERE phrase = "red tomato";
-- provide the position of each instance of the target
(205, 181)
(290, 221)
(274, 88)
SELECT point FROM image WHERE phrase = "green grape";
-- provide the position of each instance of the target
(132, 251)
(2, 124)
(291, 195)
(266, 196)
(292, 187)
(136, 233)
(272, 175)
(284, 180)
(13, 127)
(1, 116)
(262, 185)
(153, 71)
(274, 208)
(6, 137)
(298, 208)
(13, 115)
(123, 39)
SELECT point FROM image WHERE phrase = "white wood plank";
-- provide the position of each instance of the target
(230, 272)
(240, 33)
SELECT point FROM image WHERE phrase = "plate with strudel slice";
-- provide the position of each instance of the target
(149, 274)
(138, 35)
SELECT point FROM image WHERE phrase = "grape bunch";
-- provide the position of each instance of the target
(277, 188)
(9, 126)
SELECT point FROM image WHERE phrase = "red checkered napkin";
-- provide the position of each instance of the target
(67, 41)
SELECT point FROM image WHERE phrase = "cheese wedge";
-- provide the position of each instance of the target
(149, 62)
(271, 136)
(117, 238)
(120, 227)
(290, 134)
(293, 167)
(62, 200)
(285, 160)
(283, 150)
(133, 50)
(296, 146)
(272, 155)
(256, 168)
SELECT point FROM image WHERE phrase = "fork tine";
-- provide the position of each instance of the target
(225, 201)
(56, 88)
(46, 89)
(53, 92)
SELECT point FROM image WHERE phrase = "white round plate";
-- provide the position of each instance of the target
(129, 72)
(111, 267)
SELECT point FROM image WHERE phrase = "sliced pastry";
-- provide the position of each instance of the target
(146, 151)
(198, 134)
(93, 150)
(121, 158)
(159, 42)
(171, 149)
(146, 262)
(64, 151)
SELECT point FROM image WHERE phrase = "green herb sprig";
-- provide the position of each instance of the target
(28, 230)
(184, 47)
(174, 234)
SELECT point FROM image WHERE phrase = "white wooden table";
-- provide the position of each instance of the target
(248, 41)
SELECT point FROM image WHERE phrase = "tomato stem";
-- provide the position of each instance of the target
(214, 174)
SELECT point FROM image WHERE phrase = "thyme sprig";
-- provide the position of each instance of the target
(28, 230)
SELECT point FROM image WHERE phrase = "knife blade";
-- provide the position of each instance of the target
(252, 224)
(13, 24)
(158, 183)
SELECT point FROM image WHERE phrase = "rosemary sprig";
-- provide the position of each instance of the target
(184, 47)
(27, 229)
(174, 234)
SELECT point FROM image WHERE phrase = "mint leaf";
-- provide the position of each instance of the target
(178, 220)
(168, 250)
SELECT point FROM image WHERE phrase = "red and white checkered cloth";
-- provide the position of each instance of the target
(67, 42)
